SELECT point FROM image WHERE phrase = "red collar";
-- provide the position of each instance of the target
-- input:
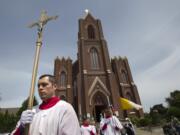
(108, 117)
(85, 124)
(49, 103)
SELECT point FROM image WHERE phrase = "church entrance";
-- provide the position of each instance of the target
(100, 103)
(99, 112)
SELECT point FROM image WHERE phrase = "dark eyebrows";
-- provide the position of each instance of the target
(43, 84)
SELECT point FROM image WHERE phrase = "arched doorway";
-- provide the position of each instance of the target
(99, 104)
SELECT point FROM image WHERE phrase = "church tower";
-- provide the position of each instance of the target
(126, 86)
(97, 85)
(63, 76)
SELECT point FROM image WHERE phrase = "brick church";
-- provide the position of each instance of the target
(94, 81)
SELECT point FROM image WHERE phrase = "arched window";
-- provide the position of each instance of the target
(98, 100)
(91, 33)
(124, 76)
(94, 58)
(63, 79)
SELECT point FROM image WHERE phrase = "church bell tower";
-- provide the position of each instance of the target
(97, 81)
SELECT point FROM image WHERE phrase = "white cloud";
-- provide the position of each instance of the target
(155, 83)
(14, 87)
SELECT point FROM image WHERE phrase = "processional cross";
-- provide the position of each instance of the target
(42, 21)
(44, 18)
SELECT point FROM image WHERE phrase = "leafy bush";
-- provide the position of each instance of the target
(7, 122)
(173, 111)
(134, 119)
(142, 122)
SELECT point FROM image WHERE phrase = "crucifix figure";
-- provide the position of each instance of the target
(44, 18)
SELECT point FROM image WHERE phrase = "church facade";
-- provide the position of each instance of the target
(94, 81)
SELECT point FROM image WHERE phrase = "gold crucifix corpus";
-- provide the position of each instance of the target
(44, 18)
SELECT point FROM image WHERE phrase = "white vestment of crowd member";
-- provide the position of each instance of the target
(113, 127)
(86, 130)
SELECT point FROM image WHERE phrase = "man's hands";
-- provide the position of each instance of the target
(26, 117)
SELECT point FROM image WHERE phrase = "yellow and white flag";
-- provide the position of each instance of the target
(128, 105)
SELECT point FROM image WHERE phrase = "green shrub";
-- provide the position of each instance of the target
(142, 122)
(173, 111)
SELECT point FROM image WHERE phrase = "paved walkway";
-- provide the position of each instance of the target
(154, 131)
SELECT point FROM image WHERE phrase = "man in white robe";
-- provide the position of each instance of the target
(110, 125)
(52, 117)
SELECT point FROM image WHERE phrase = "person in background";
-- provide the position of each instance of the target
(52, 117)
(175, 124)
(129, 127)
(94, 125)
(86, 128)
(110, 125)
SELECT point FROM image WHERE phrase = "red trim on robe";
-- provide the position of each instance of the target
(17, 132)
(92, 133)
(104, 127)
(116, 128)
(49, 103)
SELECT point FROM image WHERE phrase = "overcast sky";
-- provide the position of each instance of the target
(147, 32)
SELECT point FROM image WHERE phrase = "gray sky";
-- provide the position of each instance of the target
(145, 31)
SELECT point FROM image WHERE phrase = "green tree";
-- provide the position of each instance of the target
(24, 106)
(8, 122)
(174, 104)
(159, 108)
(158, 114)
(174, 99)
(174, 111)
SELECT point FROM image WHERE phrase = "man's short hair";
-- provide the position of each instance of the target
(51, 78)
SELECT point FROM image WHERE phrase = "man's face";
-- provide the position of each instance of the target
(108, 112)
(46, 89)
(86, 121)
